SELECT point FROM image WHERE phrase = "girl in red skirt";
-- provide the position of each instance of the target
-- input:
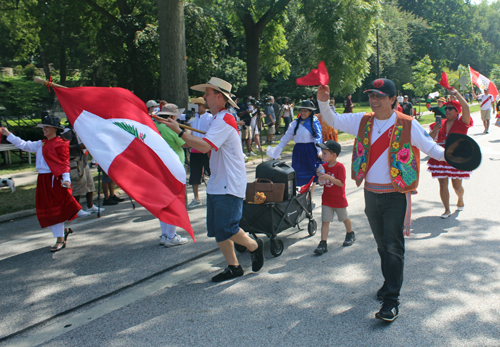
(458, 120)
(54, 202)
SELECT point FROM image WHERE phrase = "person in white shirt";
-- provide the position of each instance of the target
(199, 163)
(389, 179)
(487, 104)
(306, 133)
(226, 188)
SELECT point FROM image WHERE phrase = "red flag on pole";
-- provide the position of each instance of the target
(444, 81)
(316, 77)
(483, 83)
(115, 127)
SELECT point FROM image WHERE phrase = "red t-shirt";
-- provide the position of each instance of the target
(333, 195)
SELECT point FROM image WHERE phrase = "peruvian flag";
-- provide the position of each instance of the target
(483, 83)
(115, 126)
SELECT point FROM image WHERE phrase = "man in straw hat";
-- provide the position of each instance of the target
(199, 162)
(389, 179)
(226, 187)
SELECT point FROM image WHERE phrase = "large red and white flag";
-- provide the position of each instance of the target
(115, 126)
(483, 83)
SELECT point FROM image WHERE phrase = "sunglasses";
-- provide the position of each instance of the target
(450, 108)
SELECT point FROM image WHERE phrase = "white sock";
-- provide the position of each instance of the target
(57, 229)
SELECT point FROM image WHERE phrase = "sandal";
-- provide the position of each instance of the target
(58, 246)
(67, 231)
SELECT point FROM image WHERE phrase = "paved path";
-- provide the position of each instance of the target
(114, 286)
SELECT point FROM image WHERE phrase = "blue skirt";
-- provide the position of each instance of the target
(305, 162)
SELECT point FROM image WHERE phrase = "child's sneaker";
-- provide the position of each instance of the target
(321, 248)
(349, 239)
(177, 240)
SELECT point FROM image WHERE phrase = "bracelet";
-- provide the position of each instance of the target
(181, 133)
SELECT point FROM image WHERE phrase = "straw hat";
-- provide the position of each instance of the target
(217, 84)
(170, 110)
(198, 101)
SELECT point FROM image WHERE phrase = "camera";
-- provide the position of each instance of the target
(191, 110)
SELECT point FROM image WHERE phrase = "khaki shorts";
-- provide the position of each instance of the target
(485, 114)
(270, 130)
(85, 184)
(246, 132)
(327, 213)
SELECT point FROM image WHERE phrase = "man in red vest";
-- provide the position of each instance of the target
(386, 156)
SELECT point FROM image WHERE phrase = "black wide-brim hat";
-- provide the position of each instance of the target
(307, 104)
(462, 152)
(50, 121)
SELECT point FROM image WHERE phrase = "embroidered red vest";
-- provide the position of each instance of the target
(404, 159)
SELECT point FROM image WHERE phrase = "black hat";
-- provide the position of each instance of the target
(307, 104)
(50, 121)
(331, 145)
(382, 86)
(462, 152)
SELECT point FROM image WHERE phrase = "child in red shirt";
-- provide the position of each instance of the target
(334, 201)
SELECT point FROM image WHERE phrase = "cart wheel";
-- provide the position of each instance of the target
(312, 226)
(240, 248)
(277, 247)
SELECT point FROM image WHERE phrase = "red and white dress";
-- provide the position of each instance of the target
(54, 203)
(441, 169)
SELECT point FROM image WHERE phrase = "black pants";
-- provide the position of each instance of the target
(198, 163)
(386, 215)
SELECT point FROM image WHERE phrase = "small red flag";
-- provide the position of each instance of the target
(316, 77)
(304, 189)
(444, 81)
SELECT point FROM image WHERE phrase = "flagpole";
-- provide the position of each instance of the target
(184, 126)
(47, 83)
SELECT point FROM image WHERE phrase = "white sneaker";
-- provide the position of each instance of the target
(252, 154)
(163, 239)
(194, 203)
(94, 208)
(83, 214)
(175, 241)
(244, 156)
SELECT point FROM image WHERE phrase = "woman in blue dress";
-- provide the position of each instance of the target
(305, 130)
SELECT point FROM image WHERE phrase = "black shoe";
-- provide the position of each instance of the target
(349, 239)
(388, 312)
(117, 199)
(109, 201)
(322, 248)
(258, 256)
(228, 273)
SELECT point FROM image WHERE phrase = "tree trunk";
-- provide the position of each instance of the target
(174, 88)
(253, 63)
(46, 68)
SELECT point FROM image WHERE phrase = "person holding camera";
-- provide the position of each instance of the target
(457, 120)
(270, 119)
(199, 163)
(245, 115)
(287, 111)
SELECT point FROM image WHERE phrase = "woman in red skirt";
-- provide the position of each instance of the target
(458, 120)
(54, 202)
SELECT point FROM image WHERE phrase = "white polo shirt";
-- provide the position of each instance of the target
(227, 164)
(487, 104)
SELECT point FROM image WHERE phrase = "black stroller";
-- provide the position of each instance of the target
(273, 217)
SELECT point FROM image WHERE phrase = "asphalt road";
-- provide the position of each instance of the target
(115, 286)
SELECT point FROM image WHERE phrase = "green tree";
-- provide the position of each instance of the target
(423, 78)
(345, 34)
